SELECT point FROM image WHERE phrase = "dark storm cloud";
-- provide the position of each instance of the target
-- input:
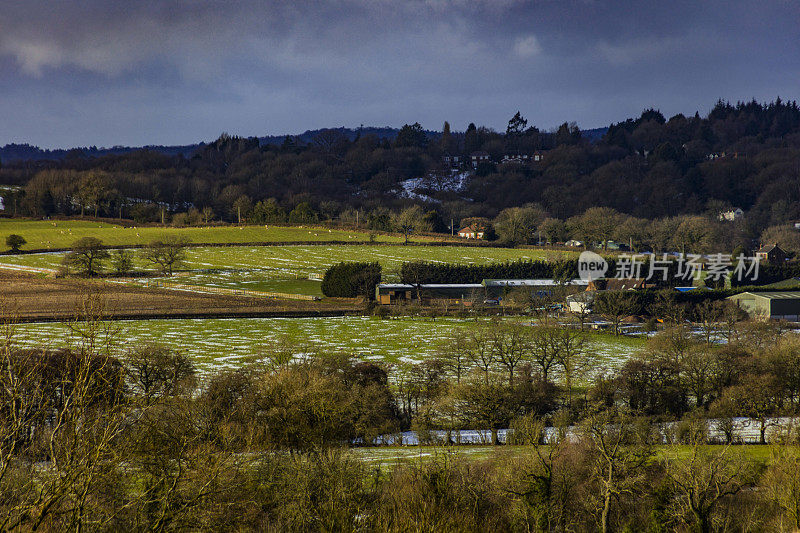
(99, 72)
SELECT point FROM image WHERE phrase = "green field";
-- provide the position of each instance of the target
(247, 266)
(231, 343)
(44, 234)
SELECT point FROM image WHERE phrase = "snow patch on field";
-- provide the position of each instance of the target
(231, 343)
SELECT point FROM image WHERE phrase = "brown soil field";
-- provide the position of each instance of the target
(29, 298)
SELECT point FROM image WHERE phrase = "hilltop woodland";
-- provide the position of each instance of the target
(92, 442)
(655, 183)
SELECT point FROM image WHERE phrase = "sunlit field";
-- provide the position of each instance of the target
(244, 266)
(43, 234)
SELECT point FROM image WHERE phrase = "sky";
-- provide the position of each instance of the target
(106, 72)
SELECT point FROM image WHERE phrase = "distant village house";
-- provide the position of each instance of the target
(479, 157)
(731, 215)
(519, 158)
(453, 161)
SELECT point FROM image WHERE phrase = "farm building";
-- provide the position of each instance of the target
(771, 253)
(539, 287)
(581, 302)
(783, 305)
(617, 284)
(390, 293)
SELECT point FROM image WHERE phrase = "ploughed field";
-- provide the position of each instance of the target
(230, 343)
(36, 298)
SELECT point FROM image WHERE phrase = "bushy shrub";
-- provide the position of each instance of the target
(350, 280)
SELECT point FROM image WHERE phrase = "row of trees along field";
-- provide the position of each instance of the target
(92, 442)
(89, 257)
(742, 155)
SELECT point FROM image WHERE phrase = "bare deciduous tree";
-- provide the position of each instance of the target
(167, 254)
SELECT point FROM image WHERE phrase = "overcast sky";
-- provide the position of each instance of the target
(101, 72)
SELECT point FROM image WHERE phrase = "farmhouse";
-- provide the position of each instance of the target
(581, 302)
(771, 253)
(783, 305)
(473, 231)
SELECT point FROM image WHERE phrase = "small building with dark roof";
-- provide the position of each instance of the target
(771, 253)
(390, 293)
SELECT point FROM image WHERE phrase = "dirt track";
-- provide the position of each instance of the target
(28, 298)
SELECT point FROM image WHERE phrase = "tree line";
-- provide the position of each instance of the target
(741, 155)
(89, 257)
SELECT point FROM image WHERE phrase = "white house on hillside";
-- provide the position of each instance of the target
(732, 214)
